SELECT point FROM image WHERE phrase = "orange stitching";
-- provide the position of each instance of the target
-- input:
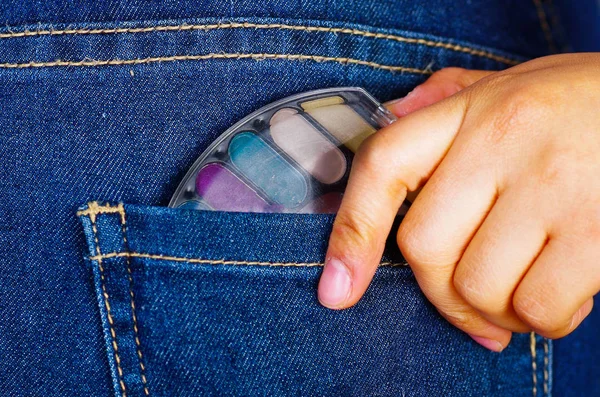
(94, 209)
(220, 261)
(532, 347)
(248, 25)
(263, 56)
(121, 211)
(546, 367)
(544, 24)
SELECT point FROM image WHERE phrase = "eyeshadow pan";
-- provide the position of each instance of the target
(317, 103)
(343, 123)
(224, 191)
(295, 135)
(290, 156)
(265, 168)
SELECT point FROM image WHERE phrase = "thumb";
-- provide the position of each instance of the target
(440, 85)
(397, 159)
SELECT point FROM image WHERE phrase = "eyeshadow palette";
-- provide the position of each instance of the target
(293, 155)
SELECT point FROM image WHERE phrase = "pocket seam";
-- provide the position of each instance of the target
(250, 25)
(219, 261)
(546, 364)
(92, 216)
(132, 301)
(543, 369)
(94, 208)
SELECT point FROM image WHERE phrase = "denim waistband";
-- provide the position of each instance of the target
(527, 27)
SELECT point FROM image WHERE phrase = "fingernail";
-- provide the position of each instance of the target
(489, 344)
(399, 100)
(335, 285)
(393, 102)
(403, 106)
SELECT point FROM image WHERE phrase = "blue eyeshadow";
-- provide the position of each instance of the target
(266, 169)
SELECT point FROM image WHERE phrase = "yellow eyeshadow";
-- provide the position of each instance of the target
(316, 103)
(343, 123)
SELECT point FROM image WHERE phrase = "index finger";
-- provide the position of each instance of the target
(397, 159)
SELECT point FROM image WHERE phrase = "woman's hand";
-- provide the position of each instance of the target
(505, 234)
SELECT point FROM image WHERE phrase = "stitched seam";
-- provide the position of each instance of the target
(260, 56)
(95, 209)
(121, 211)
(220, 261)
(532, 347)
(546, 391)
(543, 17)
(247, 25)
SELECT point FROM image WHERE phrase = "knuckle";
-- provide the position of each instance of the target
(471, 290)
(384, 157)
(412, 245)
(370, 153)
(356, 231)
(421, 250)
(463, 318)
(557, 168)
(534, 313)
(518, 108)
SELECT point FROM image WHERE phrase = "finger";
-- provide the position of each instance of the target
(498, 256)
(439, 226)
(442, 84)
(561, 280)
(581, 314)
(396, 159)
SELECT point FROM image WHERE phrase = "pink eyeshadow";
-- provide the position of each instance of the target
(307, 146)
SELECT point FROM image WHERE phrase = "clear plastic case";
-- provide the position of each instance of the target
(293, 155)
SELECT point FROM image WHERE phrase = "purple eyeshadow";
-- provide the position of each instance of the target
(224, 191)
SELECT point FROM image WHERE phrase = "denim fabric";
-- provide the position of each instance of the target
(114, 102)
(511, 25)
(579, 23)
(243, 317)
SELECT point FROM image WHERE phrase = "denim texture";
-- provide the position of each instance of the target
(115, 101)
(244, 319)
(580, 24)
(510, 25)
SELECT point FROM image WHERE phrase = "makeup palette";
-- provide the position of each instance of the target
(293, 155)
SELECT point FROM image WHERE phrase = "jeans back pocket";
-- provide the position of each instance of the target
(219, 303)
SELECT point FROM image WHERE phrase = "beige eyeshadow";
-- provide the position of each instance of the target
(343, 123)
(297, 137)
(317, 103)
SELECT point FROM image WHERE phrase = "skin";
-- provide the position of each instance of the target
(504, 234)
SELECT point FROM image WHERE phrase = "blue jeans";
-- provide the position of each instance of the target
(114, 102)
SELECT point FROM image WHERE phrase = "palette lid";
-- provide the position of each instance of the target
(293, 155)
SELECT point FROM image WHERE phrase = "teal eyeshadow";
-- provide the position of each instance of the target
(193, 205)
(264, 167)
